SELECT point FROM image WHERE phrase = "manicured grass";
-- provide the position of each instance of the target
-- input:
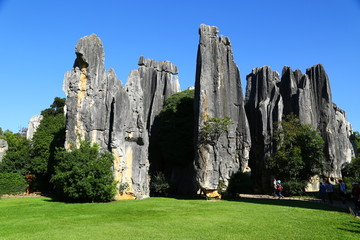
(166, 218)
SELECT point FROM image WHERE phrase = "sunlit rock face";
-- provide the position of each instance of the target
(33, 124)
(3, 148)
(218, 93)
(117, 117)
(308, 96)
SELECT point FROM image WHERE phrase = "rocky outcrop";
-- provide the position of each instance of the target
(308, 96)
(34, 123)
(3, 148)
(218, 93)
(264, 107)
(119, 118)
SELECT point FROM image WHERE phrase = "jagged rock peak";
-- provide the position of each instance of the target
(218, 93)
(165, 66)
(89, 51)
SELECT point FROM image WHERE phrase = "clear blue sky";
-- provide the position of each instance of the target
(38, 38)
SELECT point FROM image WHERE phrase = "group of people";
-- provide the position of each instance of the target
(277, 189)
(327, 190)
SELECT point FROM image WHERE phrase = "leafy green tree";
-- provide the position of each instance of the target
(17, 158)
(84, 174)
(300, 153)
(49, 135)
(351, 171)
(171, 150)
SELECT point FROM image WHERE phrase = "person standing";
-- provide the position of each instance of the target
(322, 192)
(279, 189)
(329, 191)
(342, 191)
(274, 188)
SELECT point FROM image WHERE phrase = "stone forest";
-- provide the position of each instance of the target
(125, 119)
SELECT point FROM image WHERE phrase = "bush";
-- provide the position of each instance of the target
(12, 183)
(292, 188)
(84, 175)
(159, 185)
(239, 183)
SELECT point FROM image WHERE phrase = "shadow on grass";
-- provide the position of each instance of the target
(291, 203)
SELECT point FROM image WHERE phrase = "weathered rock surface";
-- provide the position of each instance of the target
(308, 96)
(33, 124)
(264, 107)
(3, 148)
(119, 118)
(218, 93)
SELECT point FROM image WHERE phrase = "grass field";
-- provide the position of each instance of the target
(168, 218)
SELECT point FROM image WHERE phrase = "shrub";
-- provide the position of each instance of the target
(84, 174)
(239, 183)
(292, 188)
(159, 185)
(12, 183)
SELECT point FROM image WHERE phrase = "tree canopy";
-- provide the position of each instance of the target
(300, 152)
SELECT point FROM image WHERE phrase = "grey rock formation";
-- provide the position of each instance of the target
(218, 93)
(119, 118)
(3, 148)
(33, 124)
(264, 107)
(308, 96)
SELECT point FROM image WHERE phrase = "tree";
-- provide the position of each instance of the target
(351, 171)
(300, 152)
(17, 157)
(212, 129)
(49, 135)
(84, 174)
(171, 150)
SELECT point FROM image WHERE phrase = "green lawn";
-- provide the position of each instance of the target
(168, 218)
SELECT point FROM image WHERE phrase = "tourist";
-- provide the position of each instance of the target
(355, 194)
(329, 191)
(274, 188)
(342, 190)
(279, 189)
(322, 191)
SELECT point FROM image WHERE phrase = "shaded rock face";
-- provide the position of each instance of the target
(218, 93)
(3, 148)
(264, 107)
(308, 96)
(34, 123)
(119, 118)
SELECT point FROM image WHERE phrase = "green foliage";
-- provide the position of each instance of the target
(123, 187)
(12, 183)
(212, 129)
(351, 171)
(17, 157)
(171, 149)
(49, 135)
(293, 188)
(84, 174)
(175, 130)
(56, 108)
(239, 183)
(159, 185)
(300, 152)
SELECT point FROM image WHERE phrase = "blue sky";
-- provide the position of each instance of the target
(38, 38)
